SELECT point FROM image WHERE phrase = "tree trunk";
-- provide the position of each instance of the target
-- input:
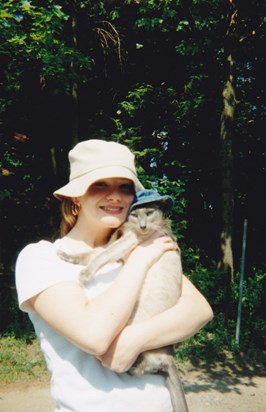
(226, 166)
(75, 114)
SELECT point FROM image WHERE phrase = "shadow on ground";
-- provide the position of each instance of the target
(226, 374)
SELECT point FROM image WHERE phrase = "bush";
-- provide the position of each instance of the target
(217, 337)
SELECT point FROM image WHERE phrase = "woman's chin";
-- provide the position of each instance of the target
(112, 221)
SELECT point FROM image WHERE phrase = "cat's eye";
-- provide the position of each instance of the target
(150, 212)
(133, 214)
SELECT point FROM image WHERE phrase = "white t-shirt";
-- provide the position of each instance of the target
(79, 383)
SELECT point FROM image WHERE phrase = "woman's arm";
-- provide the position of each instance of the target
(183, 320)
(92, 325)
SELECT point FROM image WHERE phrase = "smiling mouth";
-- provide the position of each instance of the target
(112, 210)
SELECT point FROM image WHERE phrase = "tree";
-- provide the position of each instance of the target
(150, 74)
(226, 158)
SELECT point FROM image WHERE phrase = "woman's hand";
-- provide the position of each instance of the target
(149, 251)
(176, 324)
(123, 352)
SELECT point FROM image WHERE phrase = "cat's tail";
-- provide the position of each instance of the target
(175, 388)
(161, 361)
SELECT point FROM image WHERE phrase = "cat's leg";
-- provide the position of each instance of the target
(113, 252)
(150, 362)
(78, 259)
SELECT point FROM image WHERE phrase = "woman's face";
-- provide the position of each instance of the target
(106, 202)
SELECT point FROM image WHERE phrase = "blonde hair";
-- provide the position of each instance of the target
(68, 219)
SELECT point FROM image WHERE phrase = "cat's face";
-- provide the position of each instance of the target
(146, 219)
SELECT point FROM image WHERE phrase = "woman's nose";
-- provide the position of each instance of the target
(114, 195)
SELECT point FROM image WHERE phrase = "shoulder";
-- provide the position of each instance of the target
(39, 259)
(44, 245)
(41, 248)
(38, 267)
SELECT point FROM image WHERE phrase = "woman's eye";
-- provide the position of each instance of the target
(127, 188)
(99, 185)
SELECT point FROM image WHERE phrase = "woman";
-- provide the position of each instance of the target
(82, 331)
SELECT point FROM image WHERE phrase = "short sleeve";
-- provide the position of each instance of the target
(37, 268)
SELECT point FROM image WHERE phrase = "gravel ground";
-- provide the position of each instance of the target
(219, 388)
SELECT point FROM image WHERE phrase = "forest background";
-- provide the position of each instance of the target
(182, 83)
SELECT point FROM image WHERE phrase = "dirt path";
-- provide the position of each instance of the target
(209, 388)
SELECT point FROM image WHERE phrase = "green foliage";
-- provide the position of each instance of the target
(136, 100)
(34, 33)
(5, 194)
(21, 361)
(11, 161)
(217, 337)
(253, 322)
(144, 97)
(15, 169)
(176, 190)
(145, 102)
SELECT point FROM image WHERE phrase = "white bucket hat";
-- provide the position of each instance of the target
(93, 160)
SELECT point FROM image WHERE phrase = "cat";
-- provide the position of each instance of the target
(160, 291)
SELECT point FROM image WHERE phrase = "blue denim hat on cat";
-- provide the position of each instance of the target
(144, 197)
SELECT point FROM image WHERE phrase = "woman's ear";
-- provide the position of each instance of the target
(76, 206)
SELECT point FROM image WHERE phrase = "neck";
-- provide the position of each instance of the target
(81, 238)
